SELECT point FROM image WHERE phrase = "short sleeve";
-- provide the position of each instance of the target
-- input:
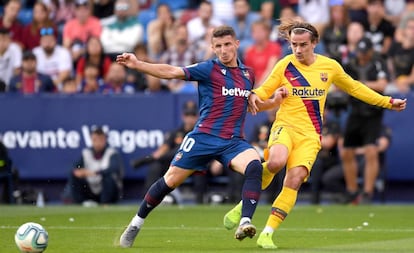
(199, 71)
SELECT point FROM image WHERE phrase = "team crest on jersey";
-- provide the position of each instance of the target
(178, 156)
(324, 77)
(246, 74)
(223, 71)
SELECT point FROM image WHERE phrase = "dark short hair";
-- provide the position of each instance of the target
(29, 55)
(375, 1)
(98, 130)
(190, 108)
(223, 30)
(4, 31)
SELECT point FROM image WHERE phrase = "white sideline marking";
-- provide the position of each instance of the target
(399, 230)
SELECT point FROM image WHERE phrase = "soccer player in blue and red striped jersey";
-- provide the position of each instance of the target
(224, 85)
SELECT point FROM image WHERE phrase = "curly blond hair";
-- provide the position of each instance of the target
(298, 27)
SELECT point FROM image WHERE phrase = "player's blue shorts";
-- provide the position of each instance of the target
(198, 149)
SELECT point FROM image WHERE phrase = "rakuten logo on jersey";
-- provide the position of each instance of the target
(237, 92)
(308, 93)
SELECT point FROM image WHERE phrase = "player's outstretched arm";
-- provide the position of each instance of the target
(163, 71)
(270, 103)
(398, 104)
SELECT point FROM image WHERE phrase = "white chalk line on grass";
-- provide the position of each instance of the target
(373, 230)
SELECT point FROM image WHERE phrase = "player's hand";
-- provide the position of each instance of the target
(253, 101)
(280, 94)
(398, 104)
(127, 59)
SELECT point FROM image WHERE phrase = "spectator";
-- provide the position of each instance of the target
(263, 54)
(103, 9)
(357, 10)
(10, 57)
(160, 159)
(180, 54)
(223, 10)
(137, 78)
(261, 131)
(77, 30)
(98, 174)
(354, 33)
(9, 20)
(8, 175)
(94, 54)
(154, 85)
(377, 28)
(364, 122)
(332, 179)
(63, 11)
(29, 81)
(202, 47)
(232, 189)
(31, 31)
(334, 35)
(91, 82)
(2, 86)
(69, 86)
(286, 13)
(267, 10)
(256, 6)
(160, 32)
(408, 10)
(242, 24)
(382, 144)
(315, 12)
(124, 33)
(394, 10)
(197, 27)
(401, 56)
(327, 159)
(115, 82)
(52, 59)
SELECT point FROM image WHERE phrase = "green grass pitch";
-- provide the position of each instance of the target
(192, 228)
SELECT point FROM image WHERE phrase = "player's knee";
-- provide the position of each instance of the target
(254, 169)
(275, 165)
(296, 177)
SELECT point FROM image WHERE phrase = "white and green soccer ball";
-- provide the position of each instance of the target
(31, 238)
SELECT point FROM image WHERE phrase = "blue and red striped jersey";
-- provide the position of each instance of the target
(223, 97)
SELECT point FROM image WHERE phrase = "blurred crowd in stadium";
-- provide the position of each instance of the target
(69, 46)
(72, 43)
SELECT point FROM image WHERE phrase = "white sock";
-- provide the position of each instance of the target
(137, 221)
(268, 230)
(244, 220)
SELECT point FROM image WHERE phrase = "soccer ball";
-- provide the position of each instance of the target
(31, 238)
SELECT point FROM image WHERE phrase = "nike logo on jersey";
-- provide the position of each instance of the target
(294, 78)
(223, 71)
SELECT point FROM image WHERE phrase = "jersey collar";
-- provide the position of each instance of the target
(240, 64)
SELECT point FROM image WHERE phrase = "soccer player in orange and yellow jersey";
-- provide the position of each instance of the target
(301, 82)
